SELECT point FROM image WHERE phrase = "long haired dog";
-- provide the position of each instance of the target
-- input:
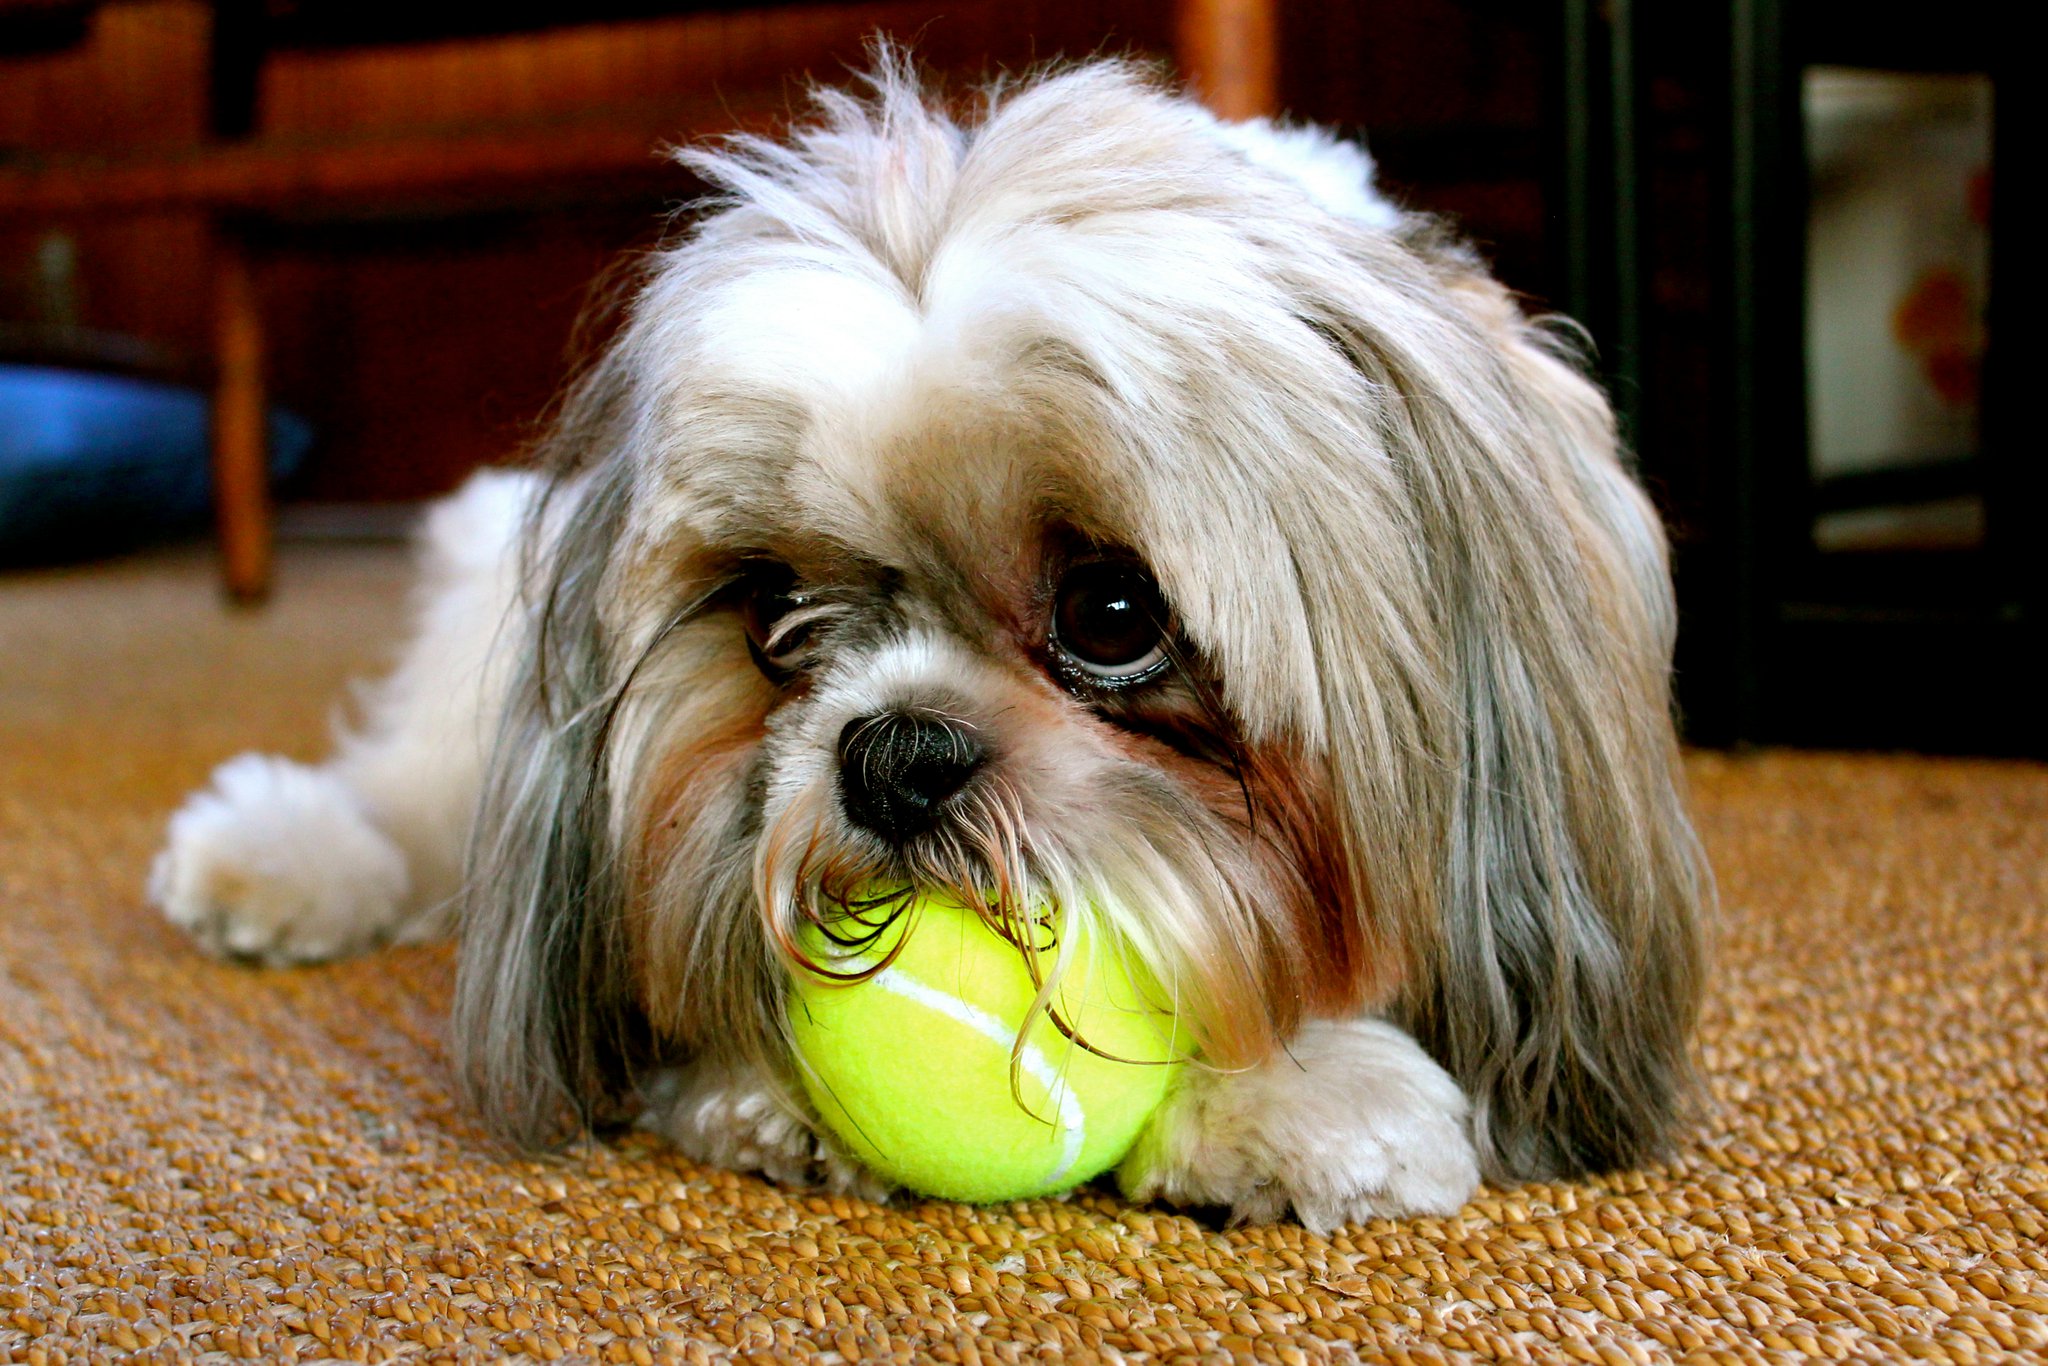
(1090, 500)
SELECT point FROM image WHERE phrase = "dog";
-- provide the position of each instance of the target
(1084, 498)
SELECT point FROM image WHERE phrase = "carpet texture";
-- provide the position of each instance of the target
(198, 1160)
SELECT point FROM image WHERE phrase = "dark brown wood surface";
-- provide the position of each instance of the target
(309, 180)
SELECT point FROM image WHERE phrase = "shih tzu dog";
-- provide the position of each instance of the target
(1087, 499)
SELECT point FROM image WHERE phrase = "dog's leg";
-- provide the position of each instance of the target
(727, 1115)
(287, 862)
(1352, 1121)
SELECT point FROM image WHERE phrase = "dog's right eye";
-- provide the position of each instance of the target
(781, 619)
(1109, 625)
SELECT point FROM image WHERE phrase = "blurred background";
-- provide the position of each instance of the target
(349, 244)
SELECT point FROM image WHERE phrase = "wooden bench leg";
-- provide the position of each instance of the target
(1229, 50)
(241, 474)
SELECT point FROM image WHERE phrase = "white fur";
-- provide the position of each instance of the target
(732, 1118)
(288, 863)
(278, 861)
(1339, 175)
(1354, 1122)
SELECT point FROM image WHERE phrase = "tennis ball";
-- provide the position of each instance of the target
(911, 1067)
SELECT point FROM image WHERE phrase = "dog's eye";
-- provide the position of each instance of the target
(1109, 622)
(781, 619)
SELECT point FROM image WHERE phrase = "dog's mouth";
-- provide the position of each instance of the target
(852, 925)
(1126, 873)
(813, 876)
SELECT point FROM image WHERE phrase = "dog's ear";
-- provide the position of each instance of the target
(1548, 887)
(1564, 978)
(545, 1024)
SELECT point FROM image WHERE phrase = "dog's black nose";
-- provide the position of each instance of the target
(897, 768)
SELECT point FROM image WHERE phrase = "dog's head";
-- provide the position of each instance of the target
(1098, 507)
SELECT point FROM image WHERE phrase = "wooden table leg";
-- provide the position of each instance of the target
(1229, 50)
(241, 476)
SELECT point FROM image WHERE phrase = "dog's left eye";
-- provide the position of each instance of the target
(1109, 622)
(781, 620)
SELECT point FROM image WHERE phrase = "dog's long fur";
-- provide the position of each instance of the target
(1414, 763)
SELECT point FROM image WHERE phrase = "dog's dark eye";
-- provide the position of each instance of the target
(1109, 622)
(781, 619)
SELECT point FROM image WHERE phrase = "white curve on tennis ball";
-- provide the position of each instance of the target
(1073, 1121)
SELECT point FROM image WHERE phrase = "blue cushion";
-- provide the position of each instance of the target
(91, 462)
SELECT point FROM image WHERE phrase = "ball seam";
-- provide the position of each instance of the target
(1073, 1120)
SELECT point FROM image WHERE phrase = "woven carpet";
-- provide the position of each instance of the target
(198, 1160)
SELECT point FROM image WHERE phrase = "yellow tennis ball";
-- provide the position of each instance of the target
(911, 1067)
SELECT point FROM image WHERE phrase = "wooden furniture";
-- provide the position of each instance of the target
(1687, 198)
(243, 188)
(246, 183)
(1229, 51)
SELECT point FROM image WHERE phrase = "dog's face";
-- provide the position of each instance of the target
(1092, 510)
(941, 651)
(976, 609)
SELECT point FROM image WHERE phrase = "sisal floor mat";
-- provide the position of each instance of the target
(200, 1161)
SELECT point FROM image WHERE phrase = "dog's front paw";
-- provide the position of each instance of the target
(275, 861)
(730, 1117)
(1353, 1121)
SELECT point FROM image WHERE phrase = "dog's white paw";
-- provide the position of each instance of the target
(729, 1117)
(275, 861)
(1354, 1121)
